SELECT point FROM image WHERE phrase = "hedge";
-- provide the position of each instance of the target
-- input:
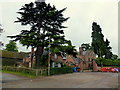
(39, 72)
(107, 62)
(60, 70)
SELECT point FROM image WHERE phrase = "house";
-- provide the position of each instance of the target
(84, 59)
(29, 60)
(14, 58)
(72, 61)
(62, 60)
(56, 60)
(87, 57)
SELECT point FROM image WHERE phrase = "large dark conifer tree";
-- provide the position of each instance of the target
(98, 43)
(45, 23)
(108, 54)
(100, 47)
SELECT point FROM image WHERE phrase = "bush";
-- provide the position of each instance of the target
(107, 62)
(60, 70)
(39, 72)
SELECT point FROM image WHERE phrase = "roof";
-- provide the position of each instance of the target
(10, 54)
(57, 61)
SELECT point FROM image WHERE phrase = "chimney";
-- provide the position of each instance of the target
(80, 51)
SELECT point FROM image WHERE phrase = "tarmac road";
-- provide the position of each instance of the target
(10, 77)
(75, 80)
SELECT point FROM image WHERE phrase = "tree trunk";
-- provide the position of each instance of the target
(32, 55)
(38, 53)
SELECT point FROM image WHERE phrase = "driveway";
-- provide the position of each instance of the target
(75, 80)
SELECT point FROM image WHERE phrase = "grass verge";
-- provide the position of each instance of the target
(19, 74)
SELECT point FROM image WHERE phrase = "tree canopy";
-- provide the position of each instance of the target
(86, 46)
(100, 47)
(11, 46)
(108, 54)
(1, 31)
(45, 23)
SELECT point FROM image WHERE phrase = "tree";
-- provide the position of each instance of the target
(114, 57)
(45, 24)
(11, 46)
(86, 46)
(98, 43)
(100, 47)
(108, 53)
(68, 49)
(1, 31)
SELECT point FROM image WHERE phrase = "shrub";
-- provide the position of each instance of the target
(60, 70)
(107, 62)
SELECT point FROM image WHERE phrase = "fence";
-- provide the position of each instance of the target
(36, 72)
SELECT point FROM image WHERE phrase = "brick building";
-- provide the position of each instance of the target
(87, 57)
(84, 59)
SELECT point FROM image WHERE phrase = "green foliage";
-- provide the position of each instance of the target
(45, 21)
(64, 48)
(60, 70)
(98, 40)
(44, 60)
(43, 72)
(114, 57)
(11, 46)
(86, 46)
(100, 46)
(107, 62)
(1, 31)
(56, 50)
(45, 24)
(108, 54)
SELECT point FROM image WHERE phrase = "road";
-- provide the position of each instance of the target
(75, 80)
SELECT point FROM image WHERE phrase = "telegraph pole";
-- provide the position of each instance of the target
(49, 58)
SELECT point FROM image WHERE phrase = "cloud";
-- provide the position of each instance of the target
(81, 12)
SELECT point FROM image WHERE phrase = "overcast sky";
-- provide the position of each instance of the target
(82, 14)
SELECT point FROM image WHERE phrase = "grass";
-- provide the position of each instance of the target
(19, 74)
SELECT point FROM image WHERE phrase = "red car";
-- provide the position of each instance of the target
(109, 69)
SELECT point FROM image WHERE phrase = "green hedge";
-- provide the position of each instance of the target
(60, 70)
(39, 72)
(107, 62)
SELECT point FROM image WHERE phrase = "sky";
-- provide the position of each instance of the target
(82, 14)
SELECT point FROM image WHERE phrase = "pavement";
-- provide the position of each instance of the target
(74, 80)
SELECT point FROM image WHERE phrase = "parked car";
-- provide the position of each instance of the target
(109, 69)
